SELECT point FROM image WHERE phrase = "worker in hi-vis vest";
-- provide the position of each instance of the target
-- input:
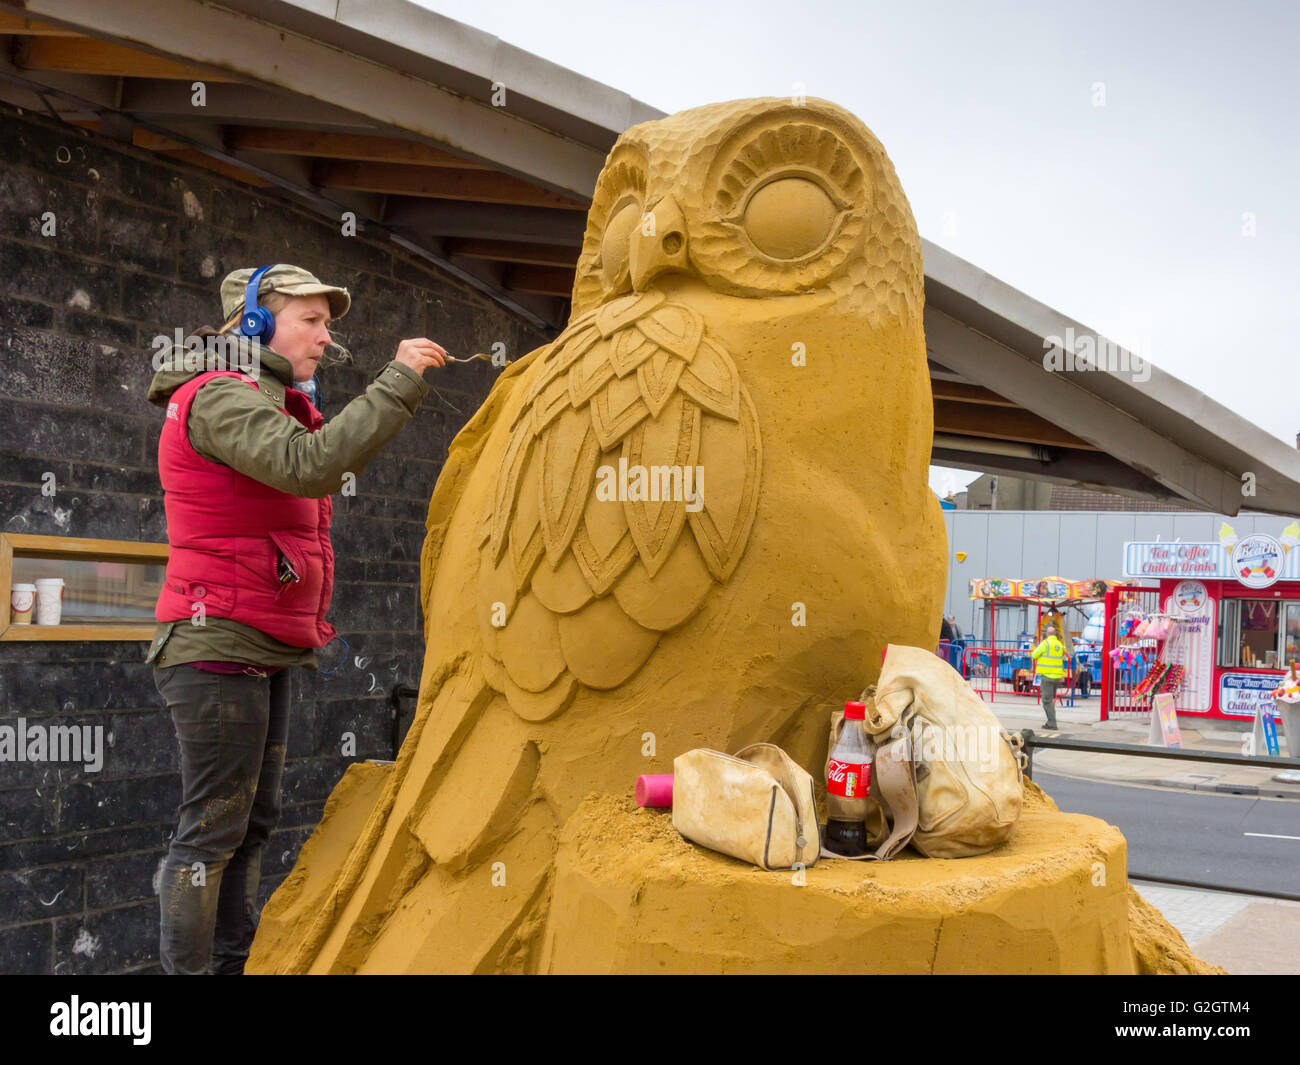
(1049, 665)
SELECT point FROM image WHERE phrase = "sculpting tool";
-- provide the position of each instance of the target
(469, 358)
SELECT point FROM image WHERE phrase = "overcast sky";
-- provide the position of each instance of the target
(1131, 217)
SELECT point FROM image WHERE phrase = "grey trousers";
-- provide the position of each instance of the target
(1048, 687)
(232, 730)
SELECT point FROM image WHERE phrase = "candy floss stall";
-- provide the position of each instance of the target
(1218, 631)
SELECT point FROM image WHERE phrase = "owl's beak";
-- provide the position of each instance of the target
(660, 247)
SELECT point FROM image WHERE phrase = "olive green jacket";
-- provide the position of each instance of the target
(245, 428)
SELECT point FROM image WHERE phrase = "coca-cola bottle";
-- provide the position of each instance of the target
(848, 779)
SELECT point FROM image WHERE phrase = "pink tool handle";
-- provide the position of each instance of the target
(654, 789)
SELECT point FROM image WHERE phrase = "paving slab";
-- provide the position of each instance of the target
(1244, 934)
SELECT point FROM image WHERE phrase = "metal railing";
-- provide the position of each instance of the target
(1032, 741)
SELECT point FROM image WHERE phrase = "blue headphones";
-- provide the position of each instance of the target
(257, 321)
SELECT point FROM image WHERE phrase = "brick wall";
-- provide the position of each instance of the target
(1016, 493)
(1069, 498)
(140, 248)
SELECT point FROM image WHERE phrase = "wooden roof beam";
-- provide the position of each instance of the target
(541, 280)
(217, 166)
(17, 26)
(963, 393)
(513, 251)
(87, 55)
(359, 147)
(173, 149)
(436, 182)
(446, 219)
(1022, 426)
(155, 142)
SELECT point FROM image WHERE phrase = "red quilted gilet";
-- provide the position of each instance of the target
(228, 531)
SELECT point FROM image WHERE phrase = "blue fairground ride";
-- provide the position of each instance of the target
(1012, 616)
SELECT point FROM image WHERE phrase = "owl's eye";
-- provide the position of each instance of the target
(614, 244)
(790, 217)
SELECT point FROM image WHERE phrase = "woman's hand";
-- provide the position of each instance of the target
(419, 353)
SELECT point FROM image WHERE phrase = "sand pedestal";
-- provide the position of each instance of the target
(631, 896)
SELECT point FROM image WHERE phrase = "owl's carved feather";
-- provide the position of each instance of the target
(593, 582)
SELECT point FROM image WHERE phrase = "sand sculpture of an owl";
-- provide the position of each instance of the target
(693, 520)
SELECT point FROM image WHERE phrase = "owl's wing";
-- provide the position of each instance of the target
(462, 455)
(341, 889)
(627, 493)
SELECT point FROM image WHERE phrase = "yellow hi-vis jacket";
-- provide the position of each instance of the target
(1049, 658)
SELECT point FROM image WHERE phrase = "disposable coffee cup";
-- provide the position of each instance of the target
(49, 601)
(22, 600)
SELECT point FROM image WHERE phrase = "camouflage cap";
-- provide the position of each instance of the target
(286, 279)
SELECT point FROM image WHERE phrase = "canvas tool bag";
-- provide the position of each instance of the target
(947, 776)
(757, 805)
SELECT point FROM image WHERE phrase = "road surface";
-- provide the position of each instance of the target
(1230, 841)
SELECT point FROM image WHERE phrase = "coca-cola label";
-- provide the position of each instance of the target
(849, 780)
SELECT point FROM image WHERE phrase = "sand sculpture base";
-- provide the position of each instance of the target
(666, 906)
(631, 896)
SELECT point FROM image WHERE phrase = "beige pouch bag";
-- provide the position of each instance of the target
(757, 805)
(967, 767)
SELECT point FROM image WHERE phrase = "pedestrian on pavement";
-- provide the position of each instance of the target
(1049, 664)
(952, 644)
(247, 466)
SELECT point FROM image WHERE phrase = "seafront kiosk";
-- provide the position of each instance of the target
(1217, 632)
